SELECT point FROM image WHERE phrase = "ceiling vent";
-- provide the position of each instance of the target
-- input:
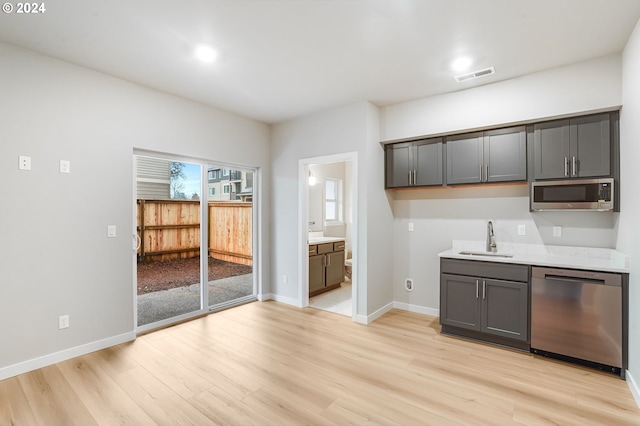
(475, 74)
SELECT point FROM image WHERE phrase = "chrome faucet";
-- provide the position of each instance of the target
(491, 239)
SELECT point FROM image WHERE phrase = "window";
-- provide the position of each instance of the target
(226, 189)
(212, 191)
(333, 200)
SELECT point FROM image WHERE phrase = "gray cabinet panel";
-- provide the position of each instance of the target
(398, 164)
(493, 156)
(335, 268)
(505, 309)
(551, 149)
(476, 268)
(505, 155)
(316, 273)
(591, 146)
(464, 159)
(459, 305)
(572, 148)
(473, 297)
(428, 164)
(416, 163)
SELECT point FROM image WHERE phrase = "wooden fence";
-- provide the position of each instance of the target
(170, 229)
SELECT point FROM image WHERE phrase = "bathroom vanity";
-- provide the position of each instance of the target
(326, 264)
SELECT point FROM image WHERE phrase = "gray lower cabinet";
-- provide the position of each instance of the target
(326, 266)
(483, 157)
(572, 148)
(417, 163)
(486, 301)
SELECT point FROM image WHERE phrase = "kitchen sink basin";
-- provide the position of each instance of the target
(485, 253)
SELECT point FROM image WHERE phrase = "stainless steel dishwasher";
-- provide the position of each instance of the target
(577, 314)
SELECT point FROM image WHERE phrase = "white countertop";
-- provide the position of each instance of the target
(588, 258)
(322, 240)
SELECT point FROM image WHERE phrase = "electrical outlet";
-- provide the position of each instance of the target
(111, 231)
(63, 322)
(557, 231)
(24, 162)
(65, 166)
(285, 279)
(408, 284)
(522, 230)
(410, 227)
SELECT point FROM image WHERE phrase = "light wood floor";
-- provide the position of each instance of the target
(272, 364)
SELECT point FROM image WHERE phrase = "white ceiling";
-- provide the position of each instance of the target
(280, 59)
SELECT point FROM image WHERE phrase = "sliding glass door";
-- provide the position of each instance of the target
(194, 232)
(168, 215)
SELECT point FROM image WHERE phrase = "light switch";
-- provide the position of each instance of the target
(410, 226)
(522, 230)
(557, 231)
(111, 231)
(65, 166)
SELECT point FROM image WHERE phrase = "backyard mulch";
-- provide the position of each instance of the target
(167, 274)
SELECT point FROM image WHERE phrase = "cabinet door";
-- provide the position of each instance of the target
(459, 301)
(316, 273)
(590, 146)
(464, 159)
(335, 268)
(398, 165)
(551, 150)
(505, 307)
(505, 155)
(427, 161)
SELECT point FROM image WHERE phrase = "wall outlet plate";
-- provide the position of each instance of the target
(63, 322)
(522, 230)
(24, 162)
(65, 166)
(557, 231)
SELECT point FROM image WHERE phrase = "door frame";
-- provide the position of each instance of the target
(204, 243)
(303, 234)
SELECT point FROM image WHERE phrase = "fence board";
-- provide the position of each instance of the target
(170, 229)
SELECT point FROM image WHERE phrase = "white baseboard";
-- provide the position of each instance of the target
(288, 300)
(44, 361)
(417, 309)
(633, 386)
(375, 315)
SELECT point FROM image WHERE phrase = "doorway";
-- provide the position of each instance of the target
(194, 233)
(328, 215)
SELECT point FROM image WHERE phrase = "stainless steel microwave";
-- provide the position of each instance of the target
(574, 194)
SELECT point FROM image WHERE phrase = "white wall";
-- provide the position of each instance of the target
(350, 128)
(55, 255)
(585, 86)
(441, 215)
(629, 235)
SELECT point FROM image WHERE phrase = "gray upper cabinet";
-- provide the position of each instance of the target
(572, 148)
(417, 163)
(491, 156)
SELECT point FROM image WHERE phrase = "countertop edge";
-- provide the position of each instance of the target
(589, 264)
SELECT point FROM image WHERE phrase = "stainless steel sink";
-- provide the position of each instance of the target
(485, 253)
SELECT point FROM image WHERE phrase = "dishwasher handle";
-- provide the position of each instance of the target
(570, 275)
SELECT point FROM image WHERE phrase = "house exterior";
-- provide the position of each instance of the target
(229, 185)
(153, 178)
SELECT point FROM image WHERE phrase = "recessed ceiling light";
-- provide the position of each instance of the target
(206, 54)
(461, 63)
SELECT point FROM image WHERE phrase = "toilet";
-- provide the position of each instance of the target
(347, 268)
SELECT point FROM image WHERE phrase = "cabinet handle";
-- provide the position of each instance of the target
(486, 172)
(484, 289)
(415, 177)
(481, 175)
(409, 177)
(477, 289)
(573, 166)
(566, 166)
